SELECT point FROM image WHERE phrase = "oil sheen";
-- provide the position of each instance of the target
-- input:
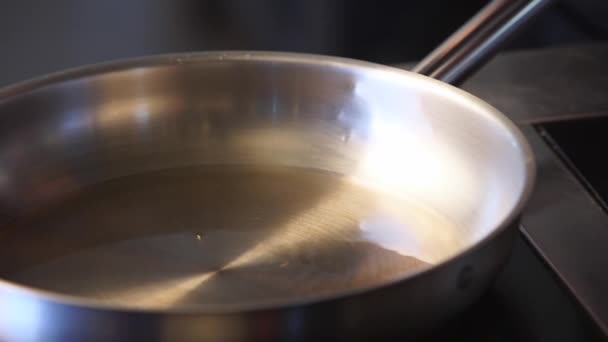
(223, 236)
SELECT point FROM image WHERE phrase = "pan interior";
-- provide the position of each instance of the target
(224, 235)
(244, 180)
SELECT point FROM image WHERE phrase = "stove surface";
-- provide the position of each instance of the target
(527, 303)
(582, 145)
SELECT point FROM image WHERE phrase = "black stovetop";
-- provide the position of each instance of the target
(582, 145)
(527, 303)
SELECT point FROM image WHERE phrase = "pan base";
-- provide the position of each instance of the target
(210, 236)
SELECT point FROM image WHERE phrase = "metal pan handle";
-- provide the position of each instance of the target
(479, 39)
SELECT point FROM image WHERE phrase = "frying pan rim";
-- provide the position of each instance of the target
(11, 92)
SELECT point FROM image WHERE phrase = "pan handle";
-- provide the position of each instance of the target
(479, 39)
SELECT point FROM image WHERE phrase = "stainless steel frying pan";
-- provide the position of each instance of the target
(252, 195)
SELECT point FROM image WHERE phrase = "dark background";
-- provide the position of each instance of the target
(43, 36)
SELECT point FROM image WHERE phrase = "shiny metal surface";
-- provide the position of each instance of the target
(479, 39)
(224, 236)
(379, 129)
